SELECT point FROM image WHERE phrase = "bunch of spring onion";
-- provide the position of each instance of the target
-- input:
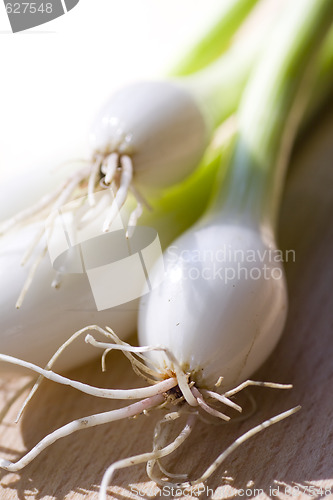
(160, 129)
(200, 339)
(172, 209)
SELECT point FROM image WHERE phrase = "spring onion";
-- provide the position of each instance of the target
(195, 333)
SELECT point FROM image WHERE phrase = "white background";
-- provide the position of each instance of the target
(54, 78)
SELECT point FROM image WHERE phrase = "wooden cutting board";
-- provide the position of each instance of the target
(296, 453)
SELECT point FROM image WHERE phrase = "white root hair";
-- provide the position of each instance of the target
(168, 391)
(223, 456)
(141, 392)
(93, 180)
(240, 440)
(205, 406)
(57, 280)
(180, 375)
(30, 277)
(109, 169)
(91, 213)
(133, 219)
(158, 442)
(248, 383)
(27, 214)
(222, 399)
(82, 423)
(64, 196)
(137, 212)
(32, 246)
(108, 332)
(121, 196)
(145, 457)
(49, 205)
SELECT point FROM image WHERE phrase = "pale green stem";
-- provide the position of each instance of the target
(179, 207)
(216, 40)
(270, 113)
(218, 88)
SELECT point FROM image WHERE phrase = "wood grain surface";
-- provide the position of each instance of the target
(295, 453)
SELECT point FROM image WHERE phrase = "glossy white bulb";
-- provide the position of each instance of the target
(159, 125)
(222, 305)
